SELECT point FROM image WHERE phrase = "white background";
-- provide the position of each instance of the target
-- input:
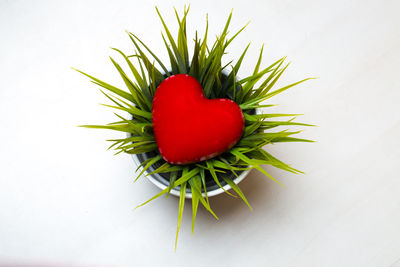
(65, 200)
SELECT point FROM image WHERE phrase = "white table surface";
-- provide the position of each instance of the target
(65, 200)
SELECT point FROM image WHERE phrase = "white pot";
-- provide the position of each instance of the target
(162, 183)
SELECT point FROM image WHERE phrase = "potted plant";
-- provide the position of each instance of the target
(194, 128)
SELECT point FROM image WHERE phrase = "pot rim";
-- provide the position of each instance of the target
(176, 192)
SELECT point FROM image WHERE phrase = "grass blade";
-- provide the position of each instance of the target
(180, 211)
(109, 87)
(195, 184)
(210, 167)
(237, 190)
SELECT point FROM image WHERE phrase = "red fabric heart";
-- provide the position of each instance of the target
(188, 127)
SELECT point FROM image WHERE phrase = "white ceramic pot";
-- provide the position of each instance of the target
(162, 182)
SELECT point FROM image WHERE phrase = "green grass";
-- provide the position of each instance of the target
(146, 71)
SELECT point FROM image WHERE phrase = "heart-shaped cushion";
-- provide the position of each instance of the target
(188, 127)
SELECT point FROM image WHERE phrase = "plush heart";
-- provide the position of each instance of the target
(188, 127)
